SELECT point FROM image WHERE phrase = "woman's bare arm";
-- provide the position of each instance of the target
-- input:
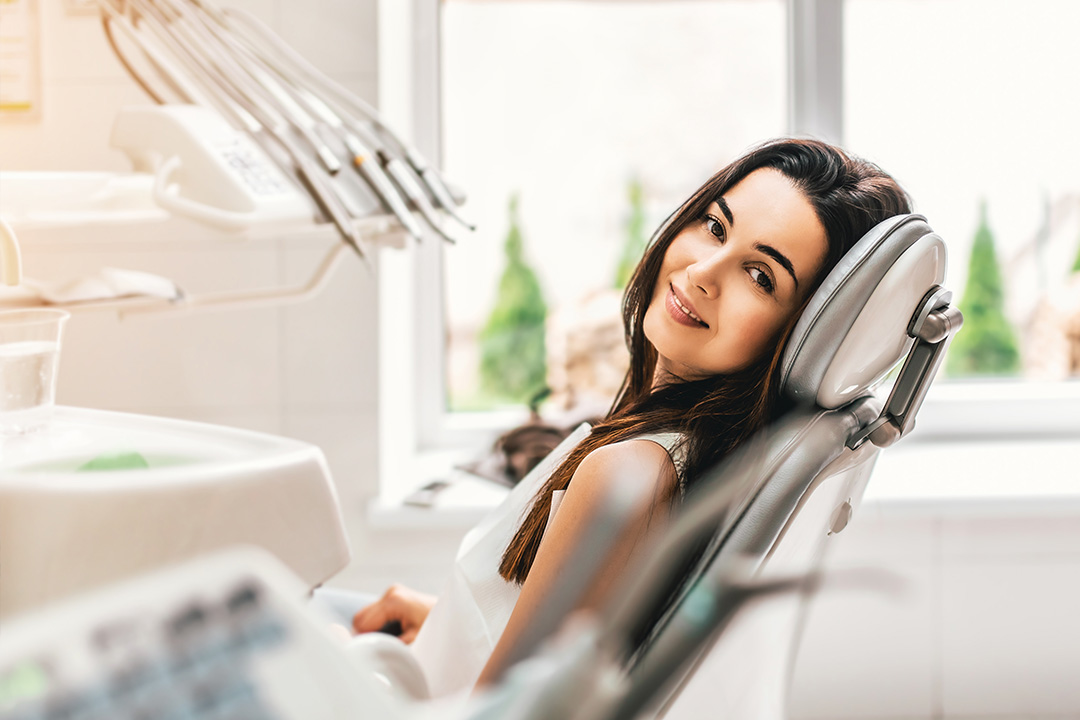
(640, 464)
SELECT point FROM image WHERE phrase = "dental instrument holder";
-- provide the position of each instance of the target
(933, 327)
(266, 88)
(227, 181)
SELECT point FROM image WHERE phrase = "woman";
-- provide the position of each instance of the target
(706, 316)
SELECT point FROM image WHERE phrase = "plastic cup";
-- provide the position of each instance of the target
(29, 355)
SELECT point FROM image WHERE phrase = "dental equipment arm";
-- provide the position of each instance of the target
(430, 178)
(10, 259)
(257, 87)
(305, 106)
(331, 112)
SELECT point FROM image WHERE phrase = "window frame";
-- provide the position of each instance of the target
(413, 400)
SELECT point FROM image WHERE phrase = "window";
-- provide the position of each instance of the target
(566, 105)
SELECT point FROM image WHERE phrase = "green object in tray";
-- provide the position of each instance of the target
(116, 461)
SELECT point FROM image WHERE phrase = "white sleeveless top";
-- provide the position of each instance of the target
(457, 637)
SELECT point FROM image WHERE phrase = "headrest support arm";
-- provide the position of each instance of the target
(933, 326)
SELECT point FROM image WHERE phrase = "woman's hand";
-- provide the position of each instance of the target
(400, 605)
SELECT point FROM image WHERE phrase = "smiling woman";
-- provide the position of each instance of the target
(706, 317)
(715, 382)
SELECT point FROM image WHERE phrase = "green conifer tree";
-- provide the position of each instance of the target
(986, 345)
(636, 236)
(1076, 263)
(513, 362)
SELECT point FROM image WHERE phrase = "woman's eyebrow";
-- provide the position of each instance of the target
(722, 204)
(780, 258)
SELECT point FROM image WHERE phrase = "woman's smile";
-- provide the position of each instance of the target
(681, 310)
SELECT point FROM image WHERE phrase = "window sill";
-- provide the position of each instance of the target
(1007, 409)
(1017, 477)
(459, 506)
(955, 478)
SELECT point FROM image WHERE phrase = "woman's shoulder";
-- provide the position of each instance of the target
(640, 459)
(651, 446)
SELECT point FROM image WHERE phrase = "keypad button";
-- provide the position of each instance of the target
(244, 599)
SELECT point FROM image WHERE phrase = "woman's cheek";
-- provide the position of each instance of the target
(753, 331)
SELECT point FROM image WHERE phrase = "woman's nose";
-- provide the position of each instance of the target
(705, 271)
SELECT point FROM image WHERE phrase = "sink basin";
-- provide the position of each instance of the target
(195, 488)
(78, 435)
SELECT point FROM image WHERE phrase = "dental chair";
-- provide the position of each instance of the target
(882, 304)
(755, 531)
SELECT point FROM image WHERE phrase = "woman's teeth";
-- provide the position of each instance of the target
(686, 309)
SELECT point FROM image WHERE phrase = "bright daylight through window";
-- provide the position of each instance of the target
(947, 107)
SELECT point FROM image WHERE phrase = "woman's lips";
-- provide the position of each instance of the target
(681, 311)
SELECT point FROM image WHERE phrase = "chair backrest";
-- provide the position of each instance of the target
(883, 302)
(784, 530)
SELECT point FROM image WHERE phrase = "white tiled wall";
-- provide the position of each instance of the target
(987, 626)
(868, 654)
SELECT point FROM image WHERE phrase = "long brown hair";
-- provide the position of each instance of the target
(716, 414)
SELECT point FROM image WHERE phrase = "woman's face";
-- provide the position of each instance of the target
(733, 277)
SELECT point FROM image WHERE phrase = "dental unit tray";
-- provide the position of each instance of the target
(148, 491)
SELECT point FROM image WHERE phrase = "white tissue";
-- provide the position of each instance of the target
(111, 284)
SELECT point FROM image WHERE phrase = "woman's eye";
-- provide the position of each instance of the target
(714, 226)
(762, 279)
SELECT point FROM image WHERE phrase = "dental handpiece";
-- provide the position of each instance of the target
(403, 179)
(435, 183)
(402, 176)
(378, 181)
(361, 155)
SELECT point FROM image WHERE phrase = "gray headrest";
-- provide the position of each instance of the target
(854, 330)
